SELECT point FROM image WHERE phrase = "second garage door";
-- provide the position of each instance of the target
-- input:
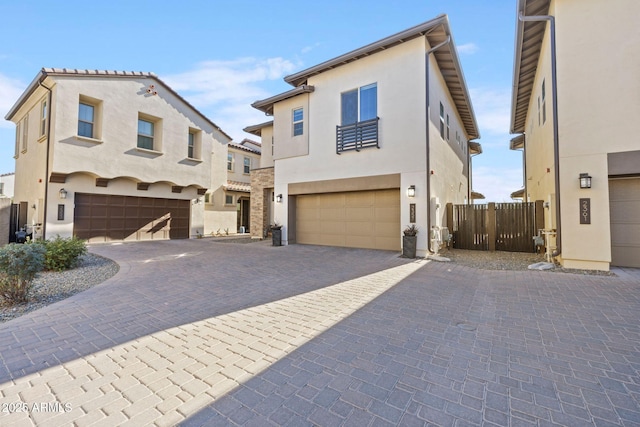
(105, 218)
(624, 205)
(364, 219)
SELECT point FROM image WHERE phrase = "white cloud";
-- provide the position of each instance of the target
(309, 48)
(10, 91)
(468, 48)
(497, 183)
(224, 90)
(493, 109)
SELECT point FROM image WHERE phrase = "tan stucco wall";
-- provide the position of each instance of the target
(287, 144)
(598, 61)
(113, 155)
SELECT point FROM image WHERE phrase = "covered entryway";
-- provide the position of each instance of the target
(359, 219)
(105, 218)
(624, 206)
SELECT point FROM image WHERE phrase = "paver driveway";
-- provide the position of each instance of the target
(201, 332)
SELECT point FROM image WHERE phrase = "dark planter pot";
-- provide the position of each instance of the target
(409, 246)
(276, 236)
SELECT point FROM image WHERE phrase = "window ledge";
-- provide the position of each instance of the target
(194, 160)
(87, 139)
(146, 150)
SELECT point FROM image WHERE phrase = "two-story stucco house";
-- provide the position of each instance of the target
(574, 105)
(367, 143)
(227, 206)
(108, 156)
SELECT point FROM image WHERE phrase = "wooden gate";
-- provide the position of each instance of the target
(496, 226)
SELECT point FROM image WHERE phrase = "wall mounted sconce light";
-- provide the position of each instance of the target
(62, 193)
(585, 180)
(411, 191)
(196, 201)
(279, 198)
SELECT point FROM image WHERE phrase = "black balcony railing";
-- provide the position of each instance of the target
(357, 136)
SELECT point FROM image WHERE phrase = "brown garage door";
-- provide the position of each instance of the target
(364, 219)
(105, 218)
(624, 205)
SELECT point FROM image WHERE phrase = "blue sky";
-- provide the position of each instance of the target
(223, 55)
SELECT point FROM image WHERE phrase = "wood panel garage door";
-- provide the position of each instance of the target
(624, 205)
(105, 218)
(365, 219)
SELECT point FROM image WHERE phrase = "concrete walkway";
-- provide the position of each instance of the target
(207, 333)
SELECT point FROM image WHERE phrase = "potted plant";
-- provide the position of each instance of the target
(276, 234)
(409, 241)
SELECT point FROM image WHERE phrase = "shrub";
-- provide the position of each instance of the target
(19, 265)
(63, 254)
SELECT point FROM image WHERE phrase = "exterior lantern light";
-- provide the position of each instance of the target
(279, 198)
(411, 191)
(585, 180)
(62, 193)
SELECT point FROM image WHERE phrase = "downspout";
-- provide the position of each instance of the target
(469, 179)
(428, 112)
(46, 169)
(554, 100)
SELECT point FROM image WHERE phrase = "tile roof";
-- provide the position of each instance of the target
(243, 187)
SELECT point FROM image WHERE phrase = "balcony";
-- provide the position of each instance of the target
(357, 136)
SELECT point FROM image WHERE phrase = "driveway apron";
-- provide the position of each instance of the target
(205, 333)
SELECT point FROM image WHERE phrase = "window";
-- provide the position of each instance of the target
(194, 144)
(191, 145)
(360, 104)
(448, 127)
(247, 165)
(230, 162)
(228, 199)
(298, 126)
(544, 105)
(1, 187)
(145, 134)
(86, 119)
(43, 118)
(25, 134)
(441, 120)
(18, 139)
(207, 197)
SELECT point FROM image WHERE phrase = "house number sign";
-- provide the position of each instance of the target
(585, 211)
(412, 212)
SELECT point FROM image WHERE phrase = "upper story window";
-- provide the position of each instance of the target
(89, 117)
(194, 144)
(544, 104)
(149, 132)
(230, 162)
(298, 121)
(441, 120)
(44, 111)
(86, 118)
(448, 128)
(145, 134)
(359, 105)
(1, 187)
(247, 165)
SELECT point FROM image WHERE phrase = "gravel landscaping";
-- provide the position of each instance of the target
(51, 286)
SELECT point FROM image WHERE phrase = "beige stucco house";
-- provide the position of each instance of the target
(7, 183)
(368, 143)
(227, 205)
(575, 104)
(109, 156)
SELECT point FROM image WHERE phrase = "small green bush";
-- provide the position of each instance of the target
(63, 254)
(19, 265)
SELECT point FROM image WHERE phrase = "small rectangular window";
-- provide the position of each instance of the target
(441, 120)
(448, 129)
(247, 165)
(191, 145)
(43, 117)
(230, 162)
(544, 104)
(298, 121)
(25, 133)
(86, 119)
(207, 197)
(145, 134)
(1, 187)
(228, 199)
